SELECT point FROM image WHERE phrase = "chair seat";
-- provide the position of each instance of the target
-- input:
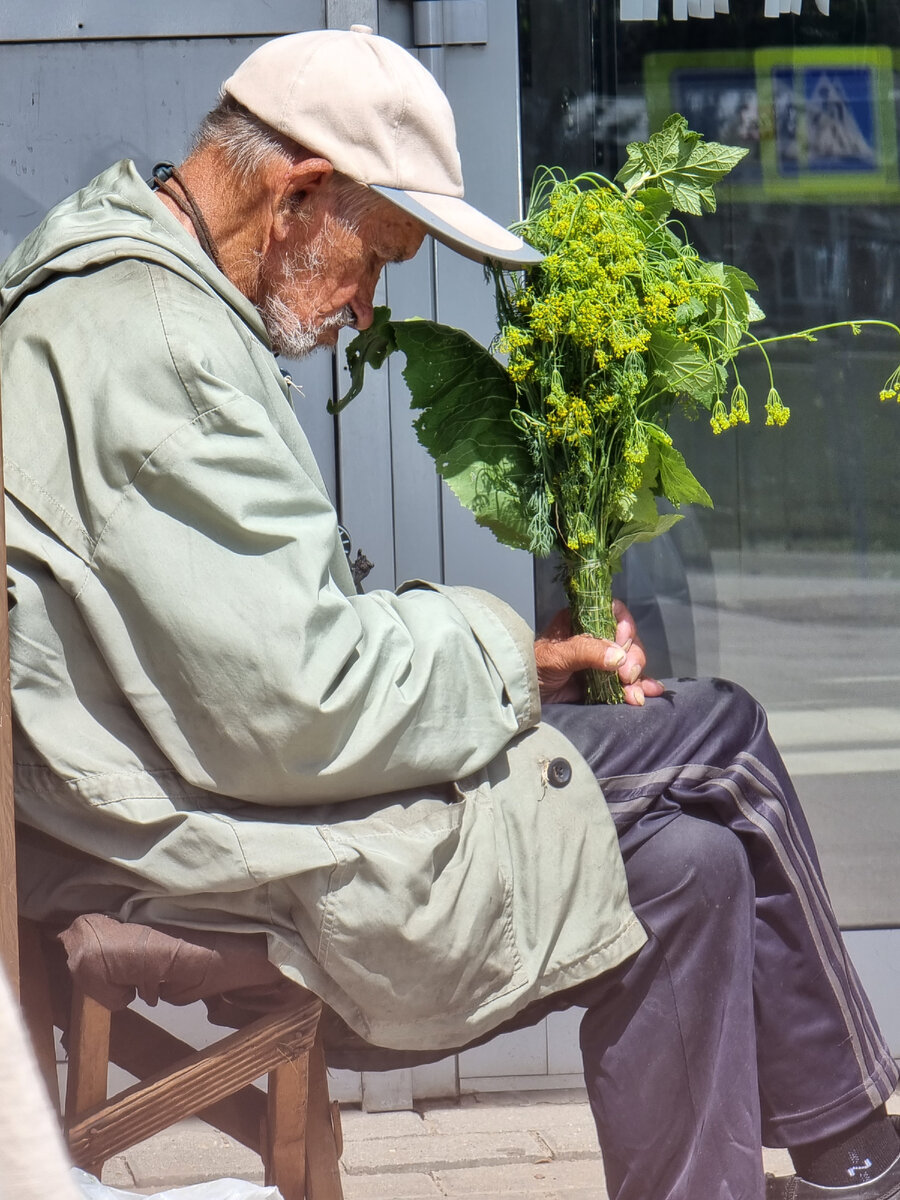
(115, 962)
(108, 963)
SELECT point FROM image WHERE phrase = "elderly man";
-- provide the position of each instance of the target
(215, 730)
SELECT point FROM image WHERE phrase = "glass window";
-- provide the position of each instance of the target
(791, 585)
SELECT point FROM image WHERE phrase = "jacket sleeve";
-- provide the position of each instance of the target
(221, 601)
(214, 599)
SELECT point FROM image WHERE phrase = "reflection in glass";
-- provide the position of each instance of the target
(792, 584)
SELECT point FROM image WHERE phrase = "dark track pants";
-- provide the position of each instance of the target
(741, 1022)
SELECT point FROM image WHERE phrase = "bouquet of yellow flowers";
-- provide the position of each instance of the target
(565, 445)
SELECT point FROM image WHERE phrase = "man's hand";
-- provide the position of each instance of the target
(560, 655)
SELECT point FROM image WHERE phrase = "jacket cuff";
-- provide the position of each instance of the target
(505, 638)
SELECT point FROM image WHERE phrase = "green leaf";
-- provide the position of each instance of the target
(747, 281)
(643, 531)
(691, 308)
(369, 348)
(657, 205)
(664, 150)
(731, 310)
(680, 161)
(754, 312)
(645, 511)
(713, 272)
(677, 482)
(679, 367)
(465, 397)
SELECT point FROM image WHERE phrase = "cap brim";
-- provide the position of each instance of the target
(463, 228)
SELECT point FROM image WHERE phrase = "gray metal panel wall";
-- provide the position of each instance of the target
(66, 20)
(69, 109)
(483, 85)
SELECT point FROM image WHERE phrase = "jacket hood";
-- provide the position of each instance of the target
(115, 216)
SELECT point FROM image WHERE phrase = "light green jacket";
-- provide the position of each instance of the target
(205, 707)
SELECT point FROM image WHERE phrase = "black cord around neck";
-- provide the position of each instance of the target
(162, 173)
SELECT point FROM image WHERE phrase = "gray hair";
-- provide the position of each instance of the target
(249, 145)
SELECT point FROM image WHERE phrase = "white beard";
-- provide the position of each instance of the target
(289, 335)
(295, 338)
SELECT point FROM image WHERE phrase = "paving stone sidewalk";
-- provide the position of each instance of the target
(532, 1145)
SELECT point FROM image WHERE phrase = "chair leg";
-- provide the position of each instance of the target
(200, 1080)
(323, 1136)
(34, 996)
(141, 1048)
(285, 1158)
(86, 1086)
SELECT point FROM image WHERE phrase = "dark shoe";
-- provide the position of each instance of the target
(792, 1187)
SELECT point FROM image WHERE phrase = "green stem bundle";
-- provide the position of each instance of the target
(589, 591)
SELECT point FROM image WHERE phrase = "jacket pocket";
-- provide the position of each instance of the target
(418, 914)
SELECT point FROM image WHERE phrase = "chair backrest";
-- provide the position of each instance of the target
(9, 940)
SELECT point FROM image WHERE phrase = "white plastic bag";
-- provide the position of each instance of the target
(216, 1189)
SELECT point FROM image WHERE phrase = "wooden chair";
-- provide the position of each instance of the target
(293, 1127)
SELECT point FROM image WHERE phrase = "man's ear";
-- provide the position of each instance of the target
(297, 186)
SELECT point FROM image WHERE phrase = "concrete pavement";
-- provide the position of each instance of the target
(529, 1145)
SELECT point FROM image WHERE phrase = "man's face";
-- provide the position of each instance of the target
(323, 277)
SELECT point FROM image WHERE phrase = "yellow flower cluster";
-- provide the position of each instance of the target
(581, 533)
(636, 446)
(517, 344)
(602, 402)
(891, 389)
(568, 419)
(719, 419)
(657, 306)
(739, 410)
(739, 413)
(512, 338)
(663, 299)
(551, 316)
(595, 284)
(627, 478)
(520, 368)
(626, 338)
(777, 413)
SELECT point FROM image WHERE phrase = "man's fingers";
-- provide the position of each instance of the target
(579, 653)
(560, 656)
(652, 687)
(631, 669)
(637, 693)
(586, 651)
(625, 632)
(635, 663)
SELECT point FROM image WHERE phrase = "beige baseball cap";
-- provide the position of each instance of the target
(377, 114)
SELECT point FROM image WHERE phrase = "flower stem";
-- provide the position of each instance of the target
(589, 589)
